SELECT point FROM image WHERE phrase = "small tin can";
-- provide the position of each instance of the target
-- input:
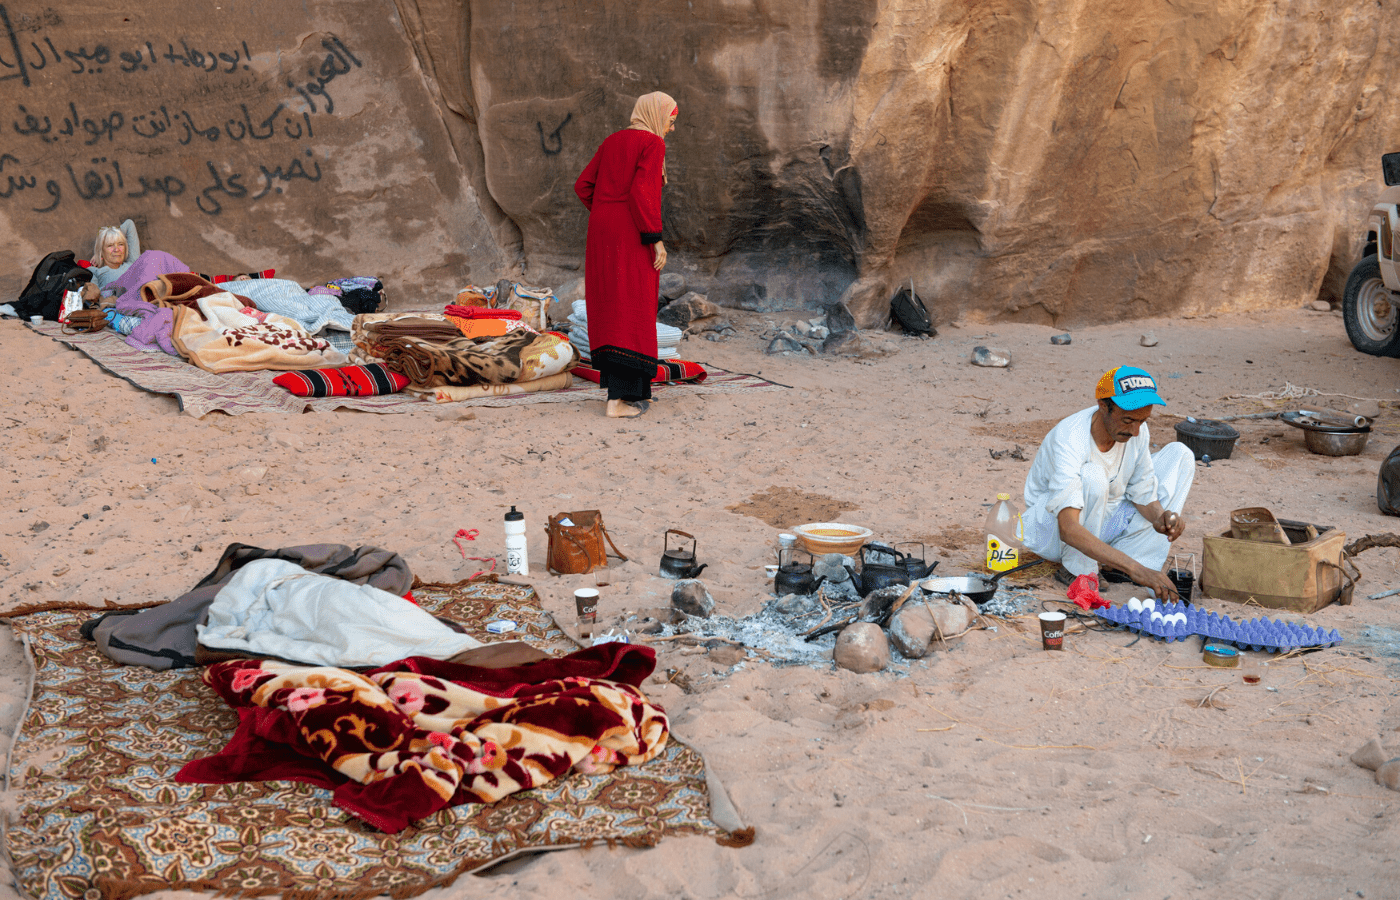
(1221, 656)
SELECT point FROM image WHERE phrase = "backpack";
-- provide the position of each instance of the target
(1388, 484)
(55, 275)
(911, 315)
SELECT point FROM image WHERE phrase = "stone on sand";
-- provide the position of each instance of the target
(1148, 340)
(862, 648)
(690, 597)
(681, 312)
(991, 357)
(1370, 755)
(1389, 774)
(911, 631)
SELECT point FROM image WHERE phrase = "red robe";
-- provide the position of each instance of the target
(621, 187)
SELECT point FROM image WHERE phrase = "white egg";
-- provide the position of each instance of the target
(1149, 603)
(1134, 604)
(1181, 617)
(1156, 616)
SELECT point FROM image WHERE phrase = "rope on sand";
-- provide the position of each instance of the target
(1294, 392)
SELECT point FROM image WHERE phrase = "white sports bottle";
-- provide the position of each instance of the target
(517, 553)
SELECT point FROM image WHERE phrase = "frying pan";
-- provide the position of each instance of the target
(977, 588)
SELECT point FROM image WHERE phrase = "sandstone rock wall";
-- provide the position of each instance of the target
(1038, 160)
(237, 136)
(1057, 161)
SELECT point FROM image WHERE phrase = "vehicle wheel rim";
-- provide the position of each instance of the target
(1376, 311)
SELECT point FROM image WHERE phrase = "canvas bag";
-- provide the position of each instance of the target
(910, 314)
(1303, 576)
(577, 548)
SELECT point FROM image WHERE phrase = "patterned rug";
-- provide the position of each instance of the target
(200, 392)
(99, 814)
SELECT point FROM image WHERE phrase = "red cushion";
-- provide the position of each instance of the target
(346, 381)
(668, 371)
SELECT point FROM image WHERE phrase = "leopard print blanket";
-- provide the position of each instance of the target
(492, 360)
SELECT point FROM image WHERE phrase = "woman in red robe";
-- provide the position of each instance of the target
(622, 263)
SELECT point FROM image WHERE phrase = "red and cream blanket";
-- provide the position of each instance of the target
(402, 742)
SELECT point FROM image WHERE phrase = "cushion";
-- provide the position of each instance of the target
(346, 381)
(668, 371)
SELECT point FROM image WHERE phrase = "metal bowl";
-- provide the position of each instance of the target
(1336, 443)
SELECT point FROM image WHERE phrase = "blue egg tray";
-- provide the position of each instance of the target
(1254, 634)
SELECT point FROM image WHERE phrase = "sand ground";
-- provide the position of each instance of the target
(988, 769)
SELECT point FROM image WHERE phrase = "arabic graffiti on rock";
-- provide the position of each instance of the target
(248, 142)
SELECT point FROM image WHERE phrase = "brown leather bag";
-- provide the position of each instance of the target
(577, 548)
(85, 321)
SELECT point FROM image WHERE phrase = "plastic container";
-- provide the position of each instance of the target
(1003, 535)
(517, 552)
(1207, 437)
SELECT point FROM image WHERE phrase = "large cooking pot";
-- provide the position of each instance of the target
(977, 588)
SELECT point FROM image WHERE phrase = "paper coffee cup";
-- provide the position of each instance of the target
(36, 319)
(586, 600)
(1052, 630)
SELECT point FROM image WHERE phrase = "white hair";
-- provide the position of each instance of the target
(104, 236)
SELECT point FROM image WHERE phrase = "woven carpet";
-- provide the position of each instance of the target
(200, 392)
(98, 813)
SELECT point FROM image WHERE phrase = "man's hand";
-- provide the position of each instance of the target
(1170, 524)
(1160, 584)
(658, 260)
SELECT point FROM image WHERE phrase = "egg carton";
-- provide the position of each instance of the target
(1173, 621)
(1168, 621)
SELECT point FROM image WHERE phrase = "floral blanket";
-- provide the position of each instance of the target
(402, 742)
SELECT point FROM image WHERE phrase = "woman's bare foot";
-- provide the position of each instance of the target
(621, 409)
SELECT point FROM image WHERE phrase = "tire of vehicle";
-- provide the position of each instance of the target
(1371, 311)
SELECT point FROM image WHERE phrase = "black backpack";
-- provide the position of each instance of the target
(55, 275)
(1388, 484)
(910, 314)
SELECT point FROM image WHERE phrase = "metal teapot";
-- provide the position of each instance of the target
(905, 570)
(679, 563)
(794, 577)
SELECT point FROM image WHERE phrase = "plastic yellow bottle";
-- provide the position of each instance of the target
(1003, 535)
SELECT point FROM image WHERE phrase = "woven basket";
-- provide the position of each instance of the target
(832, 537)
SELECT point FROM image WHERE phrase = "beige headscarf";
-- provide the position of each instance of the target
(652, 111)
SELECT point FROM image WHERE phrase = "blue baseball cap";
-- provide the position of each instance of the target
(1128, 387)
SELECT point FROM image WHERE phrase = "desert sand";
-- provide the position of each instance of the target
(990, 768)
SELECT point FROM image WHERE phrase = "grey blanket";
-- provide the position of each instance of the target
(163, 637)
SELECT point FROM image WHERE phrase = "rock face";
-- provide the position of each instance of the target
(303, 139)
(1028, 160)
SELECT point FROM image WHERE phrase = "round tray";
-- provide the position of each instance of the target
(832, 537)
(1298, 420)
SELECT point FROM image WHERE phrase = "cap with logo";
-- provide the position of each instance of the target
(1128, 387)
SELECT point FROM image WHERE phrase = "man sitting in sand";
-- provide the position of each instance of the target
(1097, 497)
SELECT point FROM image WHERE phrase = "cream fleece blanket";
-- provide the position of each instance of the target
(226, 335)
(273, 607)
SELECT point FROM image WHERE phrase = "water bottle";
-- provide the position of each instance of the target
(1003, 535)
(517, 554)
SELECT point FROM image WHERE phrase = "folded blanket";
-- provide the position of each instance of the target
(163, 637)
(287, 298)
(178, 289)
(437, 330)
(405, 741)
(495, 360)
(222, 337)
(452, 393)
(455, 310)
(273, 607)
